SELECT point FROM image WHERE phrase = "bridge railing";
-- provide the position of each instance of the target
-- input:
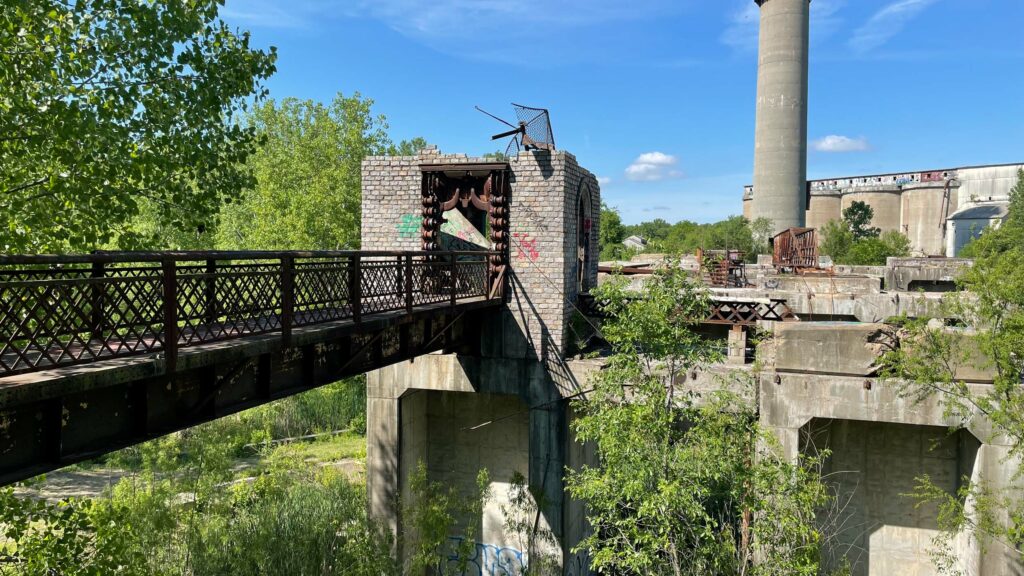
(63, 310)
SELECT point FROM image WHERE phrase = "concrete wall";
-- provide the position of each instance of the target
(824, 208)
(459, 415)
(873, 467)
(922, 208)
(470, 432)
(885, 200)
(986, 182)
(960, 233)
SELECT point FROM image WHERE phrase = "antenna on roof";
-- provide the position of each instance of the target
(533, 131)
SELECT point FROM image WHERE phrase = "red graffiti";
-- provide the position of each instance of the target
(527, 247)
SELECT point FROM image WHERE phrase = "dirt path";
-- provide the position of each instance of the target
(63, 484)
(73, 484)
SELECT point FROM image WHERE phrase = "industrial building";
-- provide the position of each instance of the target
(940, 211)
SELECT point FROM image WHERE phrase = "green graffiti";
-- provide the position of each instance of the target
(409, 227)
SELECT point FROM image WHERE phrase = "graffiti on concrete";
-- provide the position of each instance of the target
(409, 226)
(488, 560)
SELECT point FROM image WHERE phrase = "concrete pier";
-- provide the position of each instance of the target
(503, 407)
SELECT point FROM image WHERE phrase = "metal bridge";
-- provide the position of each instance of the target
(105, 350)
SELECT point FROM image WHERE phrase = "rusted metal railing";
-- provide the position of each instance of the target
(795, 248)
(62, 310)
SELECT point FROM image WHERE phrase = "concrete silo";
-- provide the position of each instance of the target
(884, 199)
(926, 205)
(824, 205)
(780, 141)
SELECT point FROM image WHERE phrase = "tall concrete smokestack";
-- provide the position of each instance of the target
(780, 140)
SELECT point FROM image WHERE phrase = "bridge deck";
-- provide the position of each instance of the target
(103, 351)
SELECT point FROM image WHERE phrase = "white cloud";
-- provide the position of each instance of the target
(744, 22)
(604, 180)
(741, 34)
(887, 23)
(520, 32)
(447, 17)
(834, 143)
(652, 166)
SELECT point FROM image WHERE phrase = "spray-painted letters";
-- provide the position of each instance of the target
(489, 560)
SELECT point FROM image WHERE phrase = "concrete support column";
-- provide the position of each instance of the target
(382, 465)
(549, 428)
(780, 141)
(737, 345)
(789, 442)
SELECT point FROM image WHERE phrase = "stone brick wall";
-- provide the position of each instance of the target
(391, 198)
(546, 188)
(582, 191)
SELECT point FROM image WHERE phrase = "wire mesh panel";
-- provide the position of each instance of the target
(471, 275)
(61, 310)
(322, 290)
(383, 285)
(430, 276)
(69, 314)
(217, 301)
(537, 127)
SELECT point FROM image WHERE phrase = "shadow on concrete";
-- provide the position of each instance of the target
(873, 470)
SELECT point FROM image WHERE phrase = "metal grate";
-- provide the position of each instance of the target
(537, 123)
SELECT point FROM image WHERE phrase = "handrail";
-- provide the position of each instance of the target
(56, 316)
(101, 256)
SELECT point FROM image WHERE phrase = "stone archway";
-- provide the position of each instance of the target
(584, 225)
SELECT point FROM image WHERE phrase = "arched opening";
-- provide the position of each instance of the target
(584, 224)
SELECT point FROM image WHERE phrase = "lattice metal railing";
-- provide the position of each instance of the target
(748, 312)
(62, 310)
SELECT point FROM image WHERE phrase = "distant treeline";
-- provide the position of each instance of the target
(683, 237)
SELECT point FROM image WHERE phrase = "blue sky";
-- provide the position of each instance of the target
(656, 97)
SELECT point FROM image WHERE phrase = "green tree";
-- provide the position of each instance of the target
(857, 217)
(875, 251)
(655, 232)
(761, 234)
(436, 512)
(612, 233)
(836, 241)
(308, 175)
(683, 486)
(408, 147)
(839, 242)
(732, 233)
(107, 102)
(928, 362)
(40, 539)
